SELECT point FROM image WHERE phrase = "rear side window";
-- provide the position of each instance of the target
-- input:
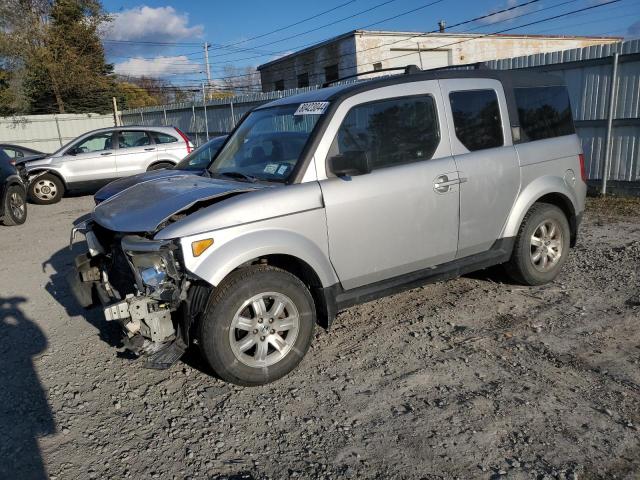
(391, 132)
(164, 138)
(544, 112)
(132, 138)
(476, 119)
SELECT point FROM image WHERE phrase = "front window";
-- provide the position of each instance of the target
(267, 146)
(201, 157)
(95, 143)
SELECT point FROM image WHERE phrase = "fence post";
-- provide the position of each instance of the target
(141, 118)
(233, 117)
(193, 122)
(204, 104)
(164, 111)
(608, 146)
(58, 128)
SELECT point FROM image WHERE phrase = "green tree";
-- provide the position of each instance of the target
(54, 49)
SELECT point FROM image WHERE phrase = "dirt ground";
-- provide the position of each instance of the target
(474, 378)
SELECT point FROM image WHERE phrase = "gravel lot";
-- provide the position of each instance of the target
(474, 378)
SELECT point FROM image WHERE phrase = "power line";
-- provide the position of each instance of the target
(320, 27)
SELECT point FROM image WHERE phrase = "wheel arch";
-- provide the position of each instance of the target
(551, 190)
(41, 171)
(158, 162)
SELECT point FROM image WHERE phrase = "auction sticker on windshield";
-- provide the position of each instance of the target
(312, 108)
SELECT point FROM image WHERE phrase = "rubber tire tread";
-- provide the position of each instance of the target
(7, 218)
(56, 199)
(214, 325)
(519, 267)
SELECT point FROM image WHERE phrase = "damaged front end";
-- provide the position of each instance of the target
(141, 285)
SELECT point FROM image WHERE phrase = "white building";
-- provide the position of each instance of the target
(362, 50)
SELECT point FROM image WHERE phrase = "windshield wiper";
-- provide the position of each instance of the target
(240, 176)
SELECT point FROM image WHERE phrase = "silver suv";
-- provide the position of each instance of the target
(335, 197)
(100, 156)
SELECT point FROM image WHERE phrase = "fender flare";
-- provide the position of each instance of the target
(38, 172)
(252, 245)
(531, 194)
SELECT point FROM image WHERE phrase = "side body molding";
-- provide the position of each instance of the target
(543, 185)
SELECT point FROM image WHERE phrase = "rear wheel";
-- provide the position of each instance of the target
(257, 326)
(15, 206)
(46, 189)
(160, 166)
(542, 245)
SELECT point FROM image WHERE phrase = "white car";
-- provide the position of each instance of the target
(100, 156)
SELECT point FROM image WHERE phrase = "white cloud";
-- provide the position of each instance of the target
(162, 24)
(158, 67)
(509, 15)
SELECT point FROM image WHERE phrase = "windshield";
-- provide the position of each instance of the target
(267, 145)
(202, 156)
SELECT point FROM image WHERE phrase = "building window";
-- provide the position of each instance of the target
(544, 112)
(303, 80)
(476, 119)
(377, 66)
(331, 73)
(279, 85)
(391, 132)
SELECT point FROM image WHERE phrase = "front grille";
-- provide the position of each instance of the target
(120, 274)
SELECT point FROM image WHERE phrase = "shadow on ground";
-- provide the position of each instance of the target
(61, 262)
(25, 414)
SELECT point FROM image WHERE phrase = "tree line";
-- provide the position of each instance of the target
(52, 61)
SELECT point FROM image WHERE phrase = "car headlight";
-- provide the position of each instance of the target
(152, 268)
(153, 276)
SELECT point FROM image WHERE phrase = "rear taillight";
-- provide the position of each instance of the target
(583, 171)
(185, 138)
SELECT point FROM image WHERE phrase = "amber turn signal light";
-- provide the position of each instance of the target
(198, 247)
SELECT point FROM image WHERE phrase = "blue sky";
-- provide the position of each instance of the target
(181, 27)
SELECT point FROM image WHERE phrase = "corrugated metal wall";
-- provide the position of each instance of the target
(587, 72)
(48, 133)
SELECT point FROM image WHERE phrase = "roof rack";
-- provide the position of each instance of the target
(408, 69)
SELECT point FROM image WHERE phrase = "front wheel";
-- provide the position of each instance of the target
(257, 326)
(15, 206)
(46, 189)
(542, 245)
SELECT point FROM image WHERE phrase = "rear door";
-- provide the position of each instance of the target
(91, 160)
(170, 147)
(403, 216)
(485, 157)
(136, 152)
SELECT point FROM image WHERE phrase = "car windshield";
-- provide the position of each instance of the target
(202, 156)
(267, 145)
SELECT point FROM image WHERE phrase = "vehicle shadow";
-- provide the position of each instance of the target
(61, 262)
(25, 413)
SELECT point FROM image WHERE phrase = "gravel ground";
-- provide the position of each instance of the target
(474, 378)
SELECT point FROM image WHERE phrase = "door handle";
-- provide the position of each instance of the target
(149, 149)
(442, 183)
(105, 153)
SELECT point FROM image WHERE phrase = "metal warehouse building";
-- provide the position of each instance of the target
(363, 50)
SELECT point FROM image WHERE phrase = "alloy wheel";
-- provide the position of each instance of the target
(546, 245)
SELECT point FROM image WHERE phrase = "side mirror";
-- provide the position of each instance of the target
(72, 151)
(350, 163)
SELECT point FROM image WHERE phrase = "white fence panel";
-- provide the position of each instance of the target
(47, 133)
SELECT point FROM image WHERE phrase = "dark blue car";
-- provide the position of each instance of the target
(196, 163)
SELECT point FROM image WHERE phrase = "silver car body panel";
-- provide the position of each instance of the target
(144, 207)
(113, 163)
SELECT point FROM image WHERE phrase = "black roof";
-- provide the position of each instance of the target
(509, 79)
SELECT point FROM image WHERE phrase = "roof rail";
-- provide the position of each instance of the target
(408, 69)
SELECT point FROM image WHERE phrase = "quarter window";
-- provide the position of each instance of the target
(476, 119)
(163, 138)
(390, 132)
(544, 112)
(131, 138)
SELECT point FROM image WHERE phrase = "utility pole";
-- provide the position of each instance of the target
(206, 62)
(116, 119)
(204, 107)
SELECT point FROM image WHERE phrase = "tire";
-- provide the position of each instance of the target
(159, 166)
(46, 189)
(539, 261)
(229, 305)
(15, 206)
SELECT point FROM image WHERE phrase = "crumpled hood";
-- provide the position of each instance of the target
(143, 207)
(121, 184)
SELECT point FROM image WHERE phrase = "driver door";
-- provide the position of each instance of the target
(401, 217)
(92, 160)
